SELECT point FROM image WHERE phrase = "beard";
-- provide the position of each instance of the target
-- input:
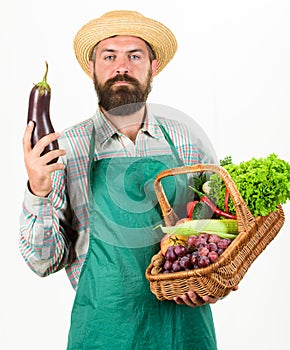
(123, 100)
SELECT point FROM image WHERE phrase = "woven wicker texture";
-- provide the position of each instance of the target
(219, 278)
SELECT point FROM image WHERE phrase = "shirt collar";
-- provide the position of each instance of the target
(151, 125)
(106, 130)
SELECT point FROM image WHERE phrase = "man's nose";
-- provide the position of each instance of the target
(122, 67)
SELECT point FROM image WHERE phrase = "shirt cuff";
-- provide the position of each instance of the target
(33, 203)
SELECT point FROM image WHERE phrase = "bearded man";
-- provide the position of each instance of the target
(93, 212)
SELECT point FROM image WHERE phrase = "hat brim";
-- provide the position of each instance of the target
(158, 36)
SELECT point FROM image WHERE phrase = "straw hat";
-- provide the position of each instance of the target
(123, 22)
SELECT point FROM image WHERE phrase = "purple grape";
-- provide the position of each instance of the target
(200, 252)
(224, 243)
(170, 254)
(180, 250)
(199, 241)
(203, 261)
(220, 251)
(213, 238)
(167, 265)
(170, 248)
(201, 245)
(194, 258)
(213, 256)
(191, 241)
(212, 247)
(229, 240)
(203, 251)
(176, 266)
(203, 235)
(185, 262)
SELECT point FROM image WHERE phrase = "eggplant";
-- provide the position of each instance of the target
(39, 113)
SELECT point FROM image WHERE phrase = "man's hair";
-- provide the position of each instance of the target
(152, 55)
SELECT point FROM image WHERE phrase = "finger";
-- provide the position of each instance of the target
(45, 141)
(210, 300)
(194, 298)
(26, 141)
(189, 301)
(49, 156)
(51, 168)
(178, 301)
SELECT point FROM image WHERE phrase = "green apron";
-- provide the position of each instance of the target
(113, 307)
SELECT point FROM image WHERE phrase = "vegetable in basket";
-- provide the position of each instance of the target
(198, 252)
(195, 243)
(199, 205)
(263, 184)
(224, 228)
(205, 199)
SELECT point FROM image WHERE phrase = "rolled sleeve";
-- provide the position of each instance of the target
(41, 242)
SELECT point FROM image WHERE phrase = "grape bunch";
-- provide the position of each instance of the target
(200, 251)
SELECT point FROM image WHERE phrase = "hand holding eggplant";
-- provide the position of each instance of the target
(40, 144)
(38, 166)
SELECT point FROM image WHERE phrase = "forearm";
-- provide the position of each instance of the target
(42, 239)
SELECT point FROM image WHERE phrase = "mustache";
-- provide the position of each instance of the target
(121, 77)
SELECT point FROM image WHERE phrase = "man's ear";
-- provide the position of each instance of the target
(92, 69)
(154, 67)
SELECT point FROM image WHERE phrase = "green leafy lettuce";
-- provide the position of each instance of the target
(263, 184)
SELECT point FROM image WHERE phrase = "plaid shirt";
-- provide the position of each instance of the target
(48, 226)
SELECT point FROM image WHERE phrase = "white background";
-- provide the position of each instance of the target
(231, 74)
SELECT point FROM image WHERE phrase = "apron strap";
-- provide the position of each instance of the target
(170, 142)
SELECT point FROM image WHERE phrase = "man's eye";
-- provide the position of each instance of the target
(109, 58)
(134, 57)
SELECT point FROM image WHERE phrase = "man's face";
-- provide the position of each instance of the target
(122, 73)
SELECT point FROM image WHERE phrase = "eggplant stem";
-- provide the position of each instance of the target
(43, 85)
(45, 74)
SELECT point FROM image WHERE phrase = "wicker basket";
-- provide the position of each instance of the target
(219, 278)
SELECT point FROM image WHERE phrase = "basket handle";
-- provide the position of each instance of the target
(244, 216)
